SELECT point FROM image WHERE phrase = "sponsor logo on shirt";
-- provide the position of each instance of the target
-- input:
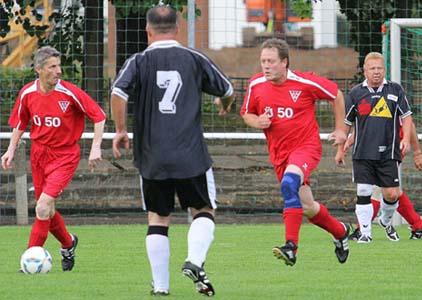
(381, 109)
(295, 95)
(64, 105)
(305, 166)
(392, 97)
(364, 107)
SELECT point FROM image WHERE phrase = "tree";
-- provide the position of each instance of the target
(131, 36)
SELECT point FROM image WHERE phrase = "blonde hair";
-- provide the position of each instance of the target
(373, 55)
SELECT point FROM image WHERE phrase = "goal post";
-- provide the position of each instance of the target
(402, 50)
(395, 43)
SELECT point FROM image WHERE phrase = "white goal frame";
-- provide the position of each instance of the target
(395, 44)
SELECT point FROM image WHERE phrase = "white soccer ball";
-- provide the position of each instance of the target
(36, 260)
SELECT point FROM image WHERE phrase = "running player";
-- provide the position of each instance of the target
(282, 103)
(56, 110)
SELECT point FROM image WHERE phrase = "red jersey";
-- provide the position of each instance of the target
(57, 118)
(291, 108)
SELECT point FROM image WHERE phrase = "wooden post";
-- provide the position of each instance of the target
(21, 184)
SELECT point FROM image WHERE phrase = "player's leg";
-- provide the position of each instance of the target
(319, 215)
(388, 173)
(158, 198)
(59, 170)
(376, 198)
(407, 211)
(41, 226)
(291, 178)
(199, 194)
(364, 211)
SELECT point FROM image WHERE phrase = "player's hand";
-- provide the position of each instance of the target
(348, 144)
(222, 110)
(263, 121)
(340, 157)
(417, 159)
(6, 160)
(120, 138)
(337, 137)
(94, 156)
(404, 147)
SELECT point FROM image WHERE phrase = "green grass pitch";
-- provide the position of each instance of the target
(111, 263)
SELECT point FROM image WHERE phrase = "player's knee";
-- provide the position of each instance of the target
(42, 210)
(391, 195)
(364, 192)
(289, 189)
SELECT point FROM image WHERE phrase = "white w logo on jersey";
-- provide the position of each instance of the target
(295, 95)
(64, 105)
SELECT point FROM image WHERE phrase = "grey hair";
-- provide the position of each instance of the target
(43, 54)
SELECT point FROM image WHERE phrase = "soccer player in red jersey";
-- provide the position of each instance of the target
(56, 110)
(282, 103)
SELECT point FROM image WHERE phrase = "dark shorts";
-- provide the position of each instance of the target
(197, 192)
(383, 173)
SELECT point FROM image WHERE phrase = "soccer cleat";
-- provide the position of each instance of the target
(416, 234)
(355, 235)
(160, 293)
(199, 278)
(286, 253)
(68, 255)
(390, 231)
(342, 245)
(364, 239)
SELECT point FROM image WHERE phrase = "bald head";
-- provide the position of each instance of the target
(162, 19)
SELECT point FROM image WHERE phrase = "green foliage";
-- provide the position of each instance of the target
(366, 18)
(67, 38)
(125, 8)
(66, 35)
(301, 8)
(11, 81)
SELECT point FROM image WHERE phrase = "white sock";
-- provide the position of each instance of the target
(364, 214)
(387, 211)
(200, 237)
(158, 249)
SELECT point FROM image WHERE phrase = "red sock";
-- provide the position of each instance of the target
(407, 210)
(39, 233)
(292, 218)
(58, 229)
(327, 222)
(376, 205)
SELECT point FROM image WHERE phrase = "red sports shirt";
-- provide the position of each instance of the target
(58, 118)
(291, 107)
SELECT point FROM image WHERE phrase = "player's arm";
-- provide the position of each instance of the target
(414, 143)
(118, 114)
(7, 158)
(261, 122)
(339, 135)
(95, 153)
(407, 124)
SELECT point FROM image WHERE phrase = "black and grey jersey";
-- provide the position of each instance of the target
(167, 81)
(376, 114)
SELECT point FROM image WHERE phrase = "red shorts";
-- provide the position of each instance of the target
(53, 168)
(306, 158)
